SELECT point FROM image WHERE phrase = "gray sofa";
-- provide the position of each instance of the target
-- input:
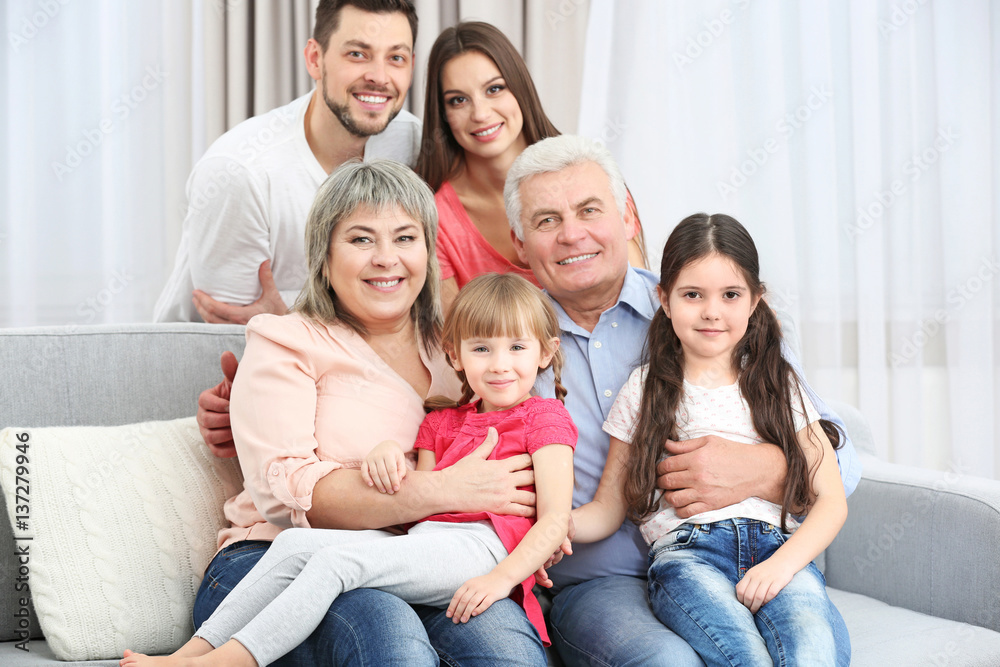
(914, 571)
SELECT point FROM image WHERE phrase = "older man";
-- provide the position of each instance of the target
(564, 197)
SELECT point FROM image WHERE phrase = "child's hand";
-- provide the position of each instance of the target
(565, 549)
(541, 574)
(384, 467)
(762, 582)
(475, 596)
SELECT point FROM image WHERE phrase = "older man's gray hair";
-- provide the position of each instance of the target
(555, 154)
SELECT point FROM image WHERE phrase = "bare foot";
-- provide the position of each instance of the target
(195, 654)
(137, 659)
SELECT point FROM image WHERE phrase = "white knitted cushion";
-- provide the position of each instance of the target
(123, 521)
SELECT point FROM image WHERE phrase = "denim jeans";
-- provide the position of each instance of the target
(608, 621)
(692, 589)
(370, 627)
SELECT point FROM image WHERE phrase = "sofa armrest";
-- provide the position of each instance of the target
(924, 540)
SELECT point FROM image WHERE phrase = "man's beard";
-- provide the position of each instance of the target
(343, 114)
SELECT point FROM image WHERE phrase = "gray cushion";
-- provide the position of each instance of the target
(924, 540)
(904, 637)
(101, 376)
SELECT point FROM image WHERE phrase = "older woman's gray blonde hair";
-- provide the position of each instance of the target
(555, 154)
(376, 185)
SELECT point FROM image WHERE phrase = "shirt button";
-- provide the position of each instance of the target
(607, 392)
(614, 324)
(597, 343)
(275, 472)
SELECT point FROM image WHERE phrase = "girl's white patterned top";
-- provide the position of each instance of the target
(720, 411)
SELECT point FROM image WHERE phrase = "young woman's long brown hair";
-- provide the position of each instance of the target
(766, 380)
(498, 304)
(441, 157)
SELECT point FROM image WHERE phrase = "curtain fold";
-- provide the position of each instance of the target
(858, 142)
(109, 104)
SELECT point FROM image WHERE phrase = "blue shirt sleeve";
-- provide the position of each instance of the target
(847, 457)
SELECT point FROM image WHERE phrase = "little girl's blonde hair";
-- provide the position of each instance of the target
(497, 304)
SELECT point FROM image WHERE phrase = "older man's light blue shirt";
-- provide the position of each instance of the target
(597, 364)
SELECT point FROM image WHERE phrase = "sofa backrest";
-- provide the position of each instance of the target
(109, 375)
(104, 375)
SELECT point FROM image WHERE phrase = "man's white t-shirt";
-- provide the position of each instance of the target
(248, 200)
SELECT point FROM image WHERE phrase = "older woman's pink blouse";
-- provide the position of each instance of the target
(309, 399)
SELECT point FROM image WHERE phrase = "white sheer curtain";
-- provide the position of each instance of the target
(108, 104)
(860, 144)
(96, 144)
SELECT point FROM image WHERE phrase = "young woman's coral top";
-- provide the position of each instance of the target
(464, 253)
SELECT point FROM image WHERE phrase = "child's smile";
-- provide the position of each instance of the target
(501, 369)
(709, 307)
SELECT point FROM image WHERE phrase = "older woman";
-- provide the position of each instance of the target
(348, 368)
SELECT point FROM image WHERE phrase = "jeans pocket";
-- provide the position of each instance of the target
(679, 538)
(779, 536)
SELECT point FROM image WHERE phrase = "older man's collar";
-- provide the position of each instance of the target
(638, 293)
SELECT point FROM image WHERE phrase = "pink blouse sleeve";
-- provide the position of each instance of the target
(429, 428)
(273, 414)
(550, 424)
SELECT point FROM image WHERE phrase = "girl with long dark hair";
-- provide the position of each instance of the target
(736, 583)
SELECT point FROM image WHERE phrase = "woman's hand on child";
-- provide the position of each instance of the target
(475, 596)
(762, 582)
(384, 467)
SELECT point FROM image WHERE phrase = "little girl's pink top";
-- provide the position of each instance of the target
(308, 399)
(464, 253)
(454, 433)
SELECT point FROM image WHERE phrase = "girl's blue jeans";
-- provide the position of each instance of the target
(693, 574)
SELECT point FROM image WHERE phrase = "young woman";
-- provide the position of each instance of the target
(481, 111)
